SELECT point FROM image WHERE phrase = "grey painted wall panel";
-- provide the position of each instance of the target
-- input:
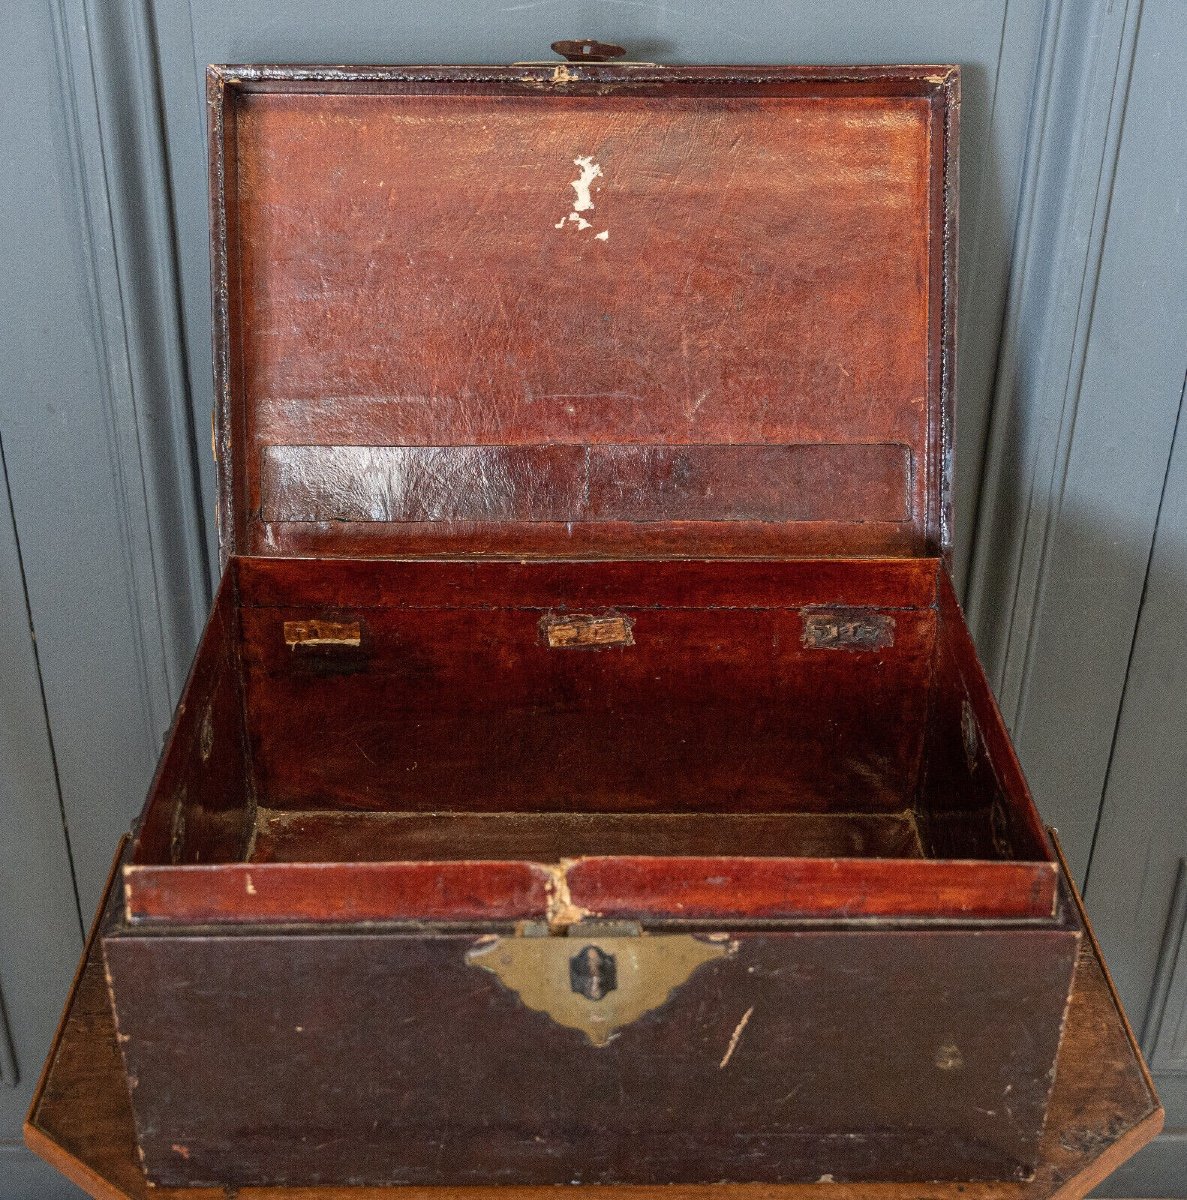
(1109, 492)
(127, 197)
(1140, 333)
(23, 1177)
(1164, 1032)
(49, 375)
(1143, 829)
(40, 927)
(73, 469)
(1071, 158)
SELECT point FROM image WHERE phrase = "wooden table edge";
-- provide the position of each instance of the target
(41, 1143)
(1146, 1130)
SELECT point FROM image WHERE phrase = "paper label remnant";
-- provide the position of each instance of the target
(590, 171)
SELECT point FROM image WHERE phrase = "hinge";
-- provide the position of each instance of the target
(846, 629)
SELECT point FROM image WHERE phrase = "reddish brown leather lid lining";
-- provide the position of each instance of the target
(560, 484)
(610, 312)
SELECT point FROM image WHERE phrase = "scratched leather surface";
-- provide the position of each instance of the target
(428, 271)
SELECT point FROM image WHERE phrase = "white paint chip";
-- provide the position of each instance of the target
(583, 201)
(590, 171)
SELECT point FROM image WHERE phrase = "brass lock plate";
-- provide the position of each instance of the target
(595, 983)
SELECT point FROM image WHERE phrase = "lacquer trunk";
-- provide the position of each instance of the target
(587, 775)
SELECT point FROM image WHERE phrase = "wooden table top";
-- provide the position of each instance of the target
(1103, 1110)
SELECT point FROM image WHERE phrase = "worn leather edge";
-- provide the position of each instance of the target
(931, 77)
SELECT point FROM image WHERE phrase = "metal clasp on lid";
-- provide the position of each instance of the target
(588, 50)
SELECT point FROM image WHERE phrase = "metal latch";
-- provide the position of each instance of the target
(587, 50)
(599, 976)
(846, 629)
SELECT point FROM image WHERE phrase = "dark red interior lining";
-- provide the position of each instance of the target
(479, 670)
(595, 484)
(710, 709)
(287, 835)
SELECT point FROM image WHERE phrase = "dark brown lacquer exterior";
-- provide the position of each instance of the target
(586, 774)
(1102, 1110)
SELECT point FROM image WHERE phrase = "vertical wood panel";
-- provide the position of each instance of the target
(83, 420)
(1136, 881)
(1164, 1036)
(1143, 828)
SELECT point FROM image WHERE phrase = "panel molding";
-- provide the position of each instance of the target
(1072, 477)
(1164, 1033)
(114, 570)
(109, 67)
(1059, 239)
(10, 1074)
(41, 933)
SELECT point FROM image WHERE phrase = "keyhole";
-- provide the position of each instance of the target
(593, 973)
